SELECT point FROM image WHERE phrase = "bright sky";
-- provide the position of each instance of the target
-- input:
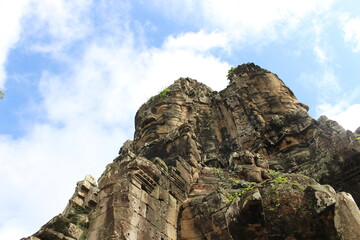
(75, 72)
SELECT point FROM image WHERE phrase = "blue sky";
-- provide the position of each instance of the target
(75, 72)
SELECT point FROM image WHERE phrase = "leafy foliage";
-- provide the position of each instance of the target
(230, 73)
(278, 179)
(161, 95)
(219, 172)
(249, 187)
(1, 94)
(274, 173)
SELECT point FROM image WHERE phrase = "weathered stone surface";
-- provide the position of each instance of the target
(201, 166)
(244, 217)
(347, 217)
(325, 196)
(74, 221)
(357, 130)
(357, 134)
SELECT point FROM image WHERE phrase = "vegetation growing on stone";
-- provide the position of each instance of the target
(357, 133)
(278, 178)
(191, 138)
(230, 73)
(244, 190)
(161, 95)
(219, 172)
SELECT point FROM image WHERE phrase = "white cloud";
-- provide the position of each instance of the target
(178, 58)
(329, 80)
(321, 54)
(249, 22)
(351, 28)
(89, 109)
(56, 22)
(53, 24)
(320, 48)
(40, 170)
(110, 77)
(326, 80)
(11, 13)
(346, 115)
(199, 41)
(11, 230)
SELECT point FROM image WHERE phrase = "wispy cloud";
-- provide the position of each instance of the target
(247, 22)
(324, 79)
(332, 100)
(343, 113)
(351, 28)
(11, 13)
(109, 70)
(54, 24)
(320, 45)
(199, 42)
(87, 109)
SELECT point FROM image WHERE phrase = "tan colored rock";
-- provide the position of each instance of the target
(347, 217)
(198, 168)
(325, 196)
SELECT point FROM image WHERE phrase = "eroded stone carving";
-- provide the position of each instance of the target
(199, 168)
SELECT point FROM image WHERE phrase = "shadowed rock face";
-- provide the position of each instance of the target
(198, 168)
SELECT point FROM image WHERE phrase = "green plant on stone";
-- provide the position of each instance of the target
(219, 172)
(244, 190)
(161, 95)
(164, 93)
(240, 193)
(296, 184)
(274, 173)
(234, 181)
(279, 180)
(230, 73)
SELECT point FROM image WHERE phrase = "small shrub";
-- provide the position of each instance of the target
(244, 190)
(219, 172)
(280, 179)
(230, 73)
(161, 95)
(274, 174)
(234, 181)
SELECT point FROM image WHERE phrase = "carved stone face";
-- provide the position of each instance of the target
(169, 127)
(155, 123)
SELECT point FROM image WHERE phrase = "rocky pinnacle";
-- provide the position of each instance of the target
(247, 162)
